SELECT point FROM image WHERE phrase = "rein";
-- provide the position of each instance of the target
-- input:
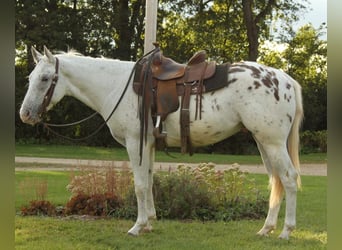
(49, 93)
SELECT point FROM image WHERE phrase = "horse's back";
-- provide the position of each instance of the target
(258, 97)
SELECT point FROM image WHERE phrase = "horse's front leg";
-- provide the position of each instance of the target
(151, 211)
(142, 184)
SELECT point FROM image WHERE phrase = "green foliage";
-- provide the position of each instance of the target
(307, 63)
(108, 28)
(181, 195)
(186, 27)
(220, 27)
(200, 193)
(313, 141)
(304, 57)
(96, 28)
(205, 194)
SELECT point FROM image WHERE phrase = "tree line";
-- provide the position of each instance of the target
(229, 31)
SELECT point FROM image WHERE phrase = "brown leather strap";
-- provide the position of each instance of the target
(168, 98)
(49, 92)
(186, 145)
(199, 94)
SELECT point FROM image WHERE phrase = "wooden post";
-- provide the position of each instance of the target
(150, 24)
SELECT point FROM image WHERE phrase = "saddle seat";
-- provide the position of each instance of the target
(164, 68)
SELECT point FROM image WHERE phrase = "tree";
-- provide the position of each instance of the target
(307, 62)
(304, 57)
(234, 28)
(252, 22)
(108, 28)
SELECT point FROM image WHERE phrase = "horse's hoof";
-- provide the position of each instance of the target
(147, 229)
(265, 231)
(132, 234)
(262, 233)
(134, 231)
(284, 236)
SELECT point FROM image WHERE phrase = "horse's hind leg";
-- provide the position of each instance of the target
(288, 178)
(275, 196)
(283, 177)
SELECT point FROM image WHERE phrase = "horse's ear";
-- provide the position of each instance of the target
(49, 55)
(36, 55)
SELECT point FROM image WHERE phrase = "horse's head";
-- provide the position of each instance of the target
(43, 91)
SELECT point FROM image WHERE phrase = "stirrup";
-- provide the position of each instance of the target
(156, 132)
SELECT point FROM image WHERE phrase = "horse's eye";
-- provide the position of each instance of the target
(45, 78)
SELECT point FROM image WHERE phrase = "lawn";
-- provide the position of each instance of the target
(51, 233)
(62, 233)
(120, 154)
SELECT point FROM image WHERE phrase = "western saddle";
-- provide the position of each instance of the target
(159, 81)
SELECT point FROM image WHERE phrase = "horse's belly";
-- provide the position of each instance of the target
(200, 139)
(212, 128)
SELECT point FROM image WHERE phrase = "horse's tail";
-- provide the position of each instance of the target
(292, 147)
(293, 139)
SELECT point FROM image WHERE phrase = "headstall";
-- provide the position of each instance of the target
(49, 92)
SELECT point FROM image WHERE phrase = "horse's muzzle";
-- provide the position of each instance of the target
(28, 117)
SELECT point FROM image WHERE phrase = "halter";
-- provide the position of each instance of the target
(49, 92)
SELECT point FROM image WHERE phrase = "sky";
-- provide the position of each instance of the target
(316, 16)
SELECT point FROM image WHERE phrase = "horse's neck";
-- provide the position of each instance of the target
(95, 82)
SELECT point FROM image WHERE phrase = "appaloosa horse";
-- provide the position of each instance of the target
(264, 100)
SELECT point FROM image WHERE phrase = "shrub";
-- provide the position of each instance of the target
(95, 205)
(180, 195)
(188, 193)
(205, 194)
(39, 207)
(313, 141)
(107, 181)
(98, 193)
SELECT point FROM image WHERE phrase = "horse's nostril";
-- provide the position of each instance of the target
(25, 114)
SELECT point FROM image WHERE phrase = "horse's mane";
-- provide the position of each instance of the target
(71, 52)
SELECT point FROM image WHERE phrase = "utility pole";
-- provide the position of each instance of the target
(150, 24)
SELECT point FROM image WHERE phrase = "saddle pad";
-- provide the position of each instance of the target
(219, 79)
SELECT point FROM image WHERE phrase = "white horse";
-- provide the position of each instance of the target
(264, 100)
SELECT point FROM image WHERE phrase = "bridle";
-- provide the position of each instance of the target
(50, 91)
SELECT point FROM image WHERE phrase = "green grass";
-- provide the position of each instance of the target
(25, 182)
(57, 233)
(52, 233)
(120, 154)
